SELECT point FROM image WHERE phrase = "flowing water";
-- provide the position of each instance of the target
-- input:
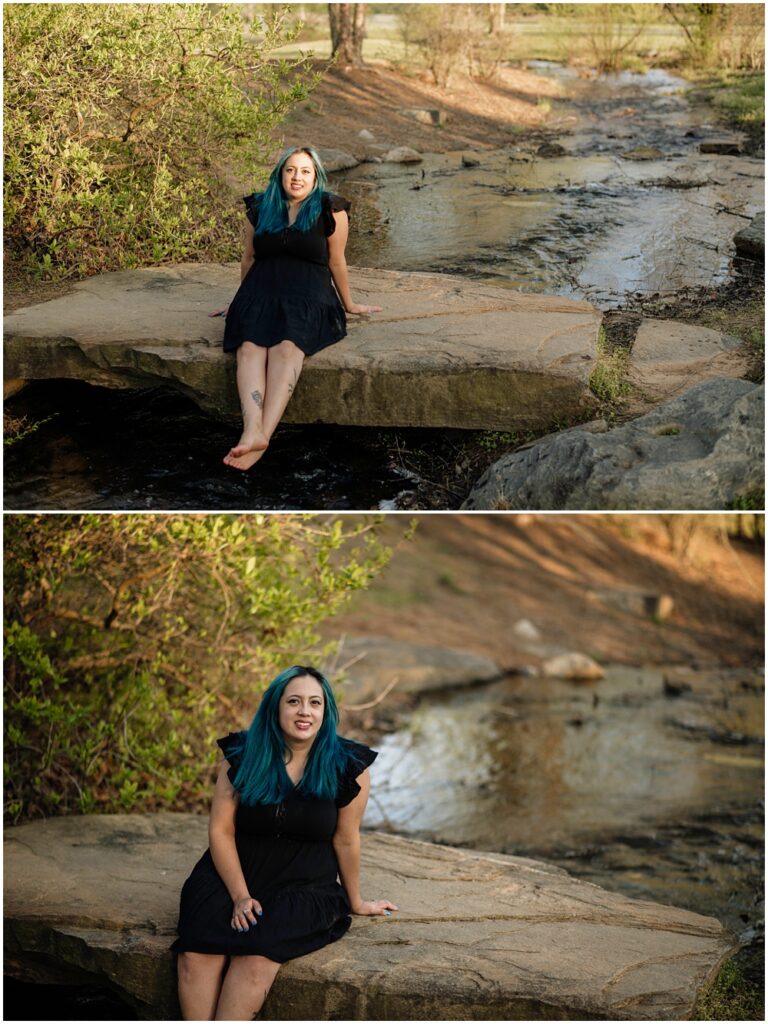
(657, 795)
(588, 224)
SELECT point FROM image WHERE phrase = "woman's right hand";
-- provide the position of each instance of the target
(220, 312)
(245, 912)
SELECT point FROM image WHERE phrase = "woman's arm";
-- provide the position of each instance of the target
(221, 840)
(246, 260)
(337, 261)
(346, 843)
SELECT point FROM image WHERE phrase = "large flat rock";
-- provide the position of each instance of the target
(446, 352)
(375, 662)
(668, 357)
(478, 936)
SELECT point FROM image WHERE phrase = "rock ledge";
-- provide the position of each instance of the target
(446, 352)
(478, 936)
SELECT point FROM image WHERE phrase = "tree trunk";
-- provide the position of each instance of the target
(347, 22)
(496, 18)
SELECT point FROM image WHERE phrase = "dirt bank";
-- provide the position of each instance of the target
(466, 580)
(480, 114)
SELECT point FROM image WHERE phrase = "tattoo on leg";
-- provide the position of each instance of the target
(258, 398)
(290, 389)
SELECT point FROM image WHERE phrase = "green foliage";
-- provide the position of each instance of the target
(17, 429)
(741, 98)
(132, 641)
(732, 996)
(122, 123)
(751, 501)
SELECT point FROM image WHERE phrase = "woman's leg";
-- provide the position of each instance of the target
(245, 987)
(200, 978)
(284, 363)
(251, 387)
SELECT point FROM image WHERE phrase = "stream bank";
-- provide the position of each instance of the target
(590, 221)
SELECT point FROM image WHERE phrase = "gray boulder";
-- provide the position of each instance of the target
(700, 450)
(402, 155)
(750, 241)
(478, 936)
(418, 668)
(336, 159)
(425, 115)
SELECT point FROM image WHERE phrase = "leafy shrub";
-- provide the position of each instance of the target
(132, 641)
(455, 38)
(123, 123)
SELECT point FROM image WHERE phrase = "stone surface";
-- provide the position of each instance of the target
(336, 159)
(750, 241)
(549, 150)
(425, 115)
(701, 450)
(375, 661)
(402, 155)
(446, 352)
(524, 629)
(478, 936)
(655, 606)
(668, 357)
(572, 666)
(723, 147)
(366, 135)
(643, 153)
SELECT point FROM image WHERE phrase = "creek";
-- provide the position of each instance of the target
(652, 791)
(589, 224)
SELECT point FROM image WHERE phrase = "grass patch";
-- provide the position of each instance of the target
(609, 378)
(732, 996)
(752, 501)
(740, 97)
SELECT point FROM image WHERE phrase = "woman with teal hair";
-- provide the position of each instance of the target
(284, 827)
(293, 296)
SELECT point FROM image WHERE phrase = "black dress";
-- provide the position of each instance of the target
(288, 293)
(290, 867)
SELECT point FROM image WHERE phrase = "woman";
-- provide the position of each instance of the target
(285, 821)
(286, 307)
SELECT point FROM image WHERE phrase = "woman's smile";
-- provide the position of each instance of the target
(301, 708)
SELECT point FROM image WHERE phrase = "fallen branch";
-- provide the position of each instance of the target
(372, 703)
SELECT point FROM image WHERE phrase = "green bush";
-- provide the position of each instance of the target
(122, 123)
(133, 641)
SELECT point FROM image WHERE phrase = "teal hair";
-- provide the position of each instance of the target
(273, 206)
(261, 777)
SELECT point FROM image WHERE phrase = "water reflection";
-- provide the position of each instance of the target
(543, 763)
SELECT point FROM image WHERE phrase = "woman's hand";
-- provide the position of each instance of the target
(356, 307)
(220, 312)
(245, 912)
(368, 908)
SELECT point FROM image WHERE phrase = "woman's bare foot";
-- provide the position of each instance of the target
(248, 450)
(243, 461)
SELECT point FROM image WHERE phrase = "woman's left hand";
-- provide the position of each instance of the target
(371, 907)
(357, 308)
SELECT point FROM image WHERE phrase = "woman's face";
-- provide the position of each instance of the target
(298, 177)
(302, 706)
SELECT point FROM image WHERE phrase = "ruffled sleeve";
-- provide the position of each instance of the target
(232, 748)
(333, 204)
(359, 758)
(252, 204)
